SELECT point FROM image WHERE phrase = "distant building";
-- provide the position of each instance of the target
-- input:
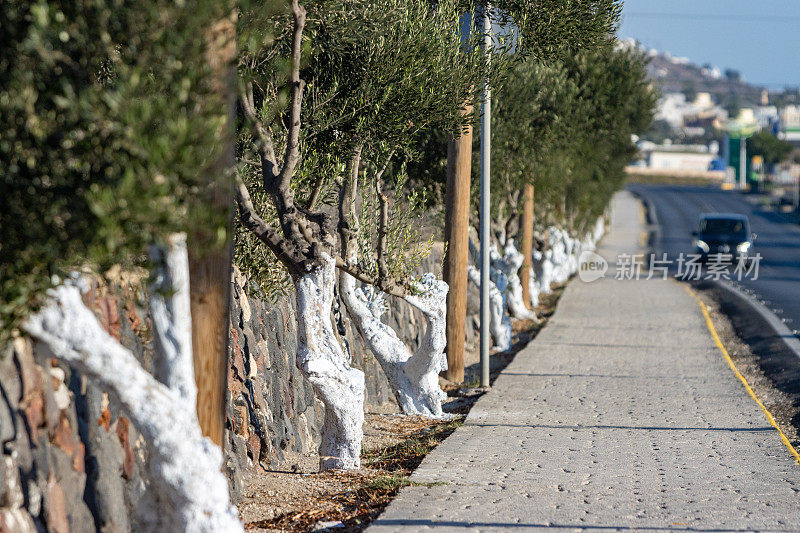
(683, 157)
(789, 124)
(765, 116)
(701, 113)
(790, 116)
(671, 109)
(703, 101)
(712, 72)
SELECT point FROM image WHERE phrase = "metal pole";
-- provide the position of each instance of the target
(486, 124)
(742, 162)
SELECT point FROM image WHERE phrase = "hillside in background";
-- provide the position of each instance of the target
(727, 87)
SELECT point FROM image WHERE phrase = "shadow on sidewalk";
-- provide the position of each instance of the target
(514, 525)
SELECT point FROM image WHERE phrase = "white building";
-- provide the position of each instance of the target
(790, 116)
(680, 157)
(671, 108)
(790, 124)
(674, 109)
(765, 116)
(674, 160)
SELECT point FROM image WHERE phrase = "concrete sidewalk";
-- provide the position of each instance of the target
(622, 414)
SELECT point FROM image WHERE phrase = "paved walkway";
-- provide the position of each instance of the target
(621, 415)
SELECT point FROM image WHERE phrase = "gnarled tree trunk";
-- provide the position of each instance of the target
(424, 366)
(509, 264)
(184, 466)
(323, 362)
(499, 324)
(413, 378)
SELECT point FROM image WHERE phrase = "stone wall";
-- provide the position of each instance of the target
(272, 410)
(70, 462)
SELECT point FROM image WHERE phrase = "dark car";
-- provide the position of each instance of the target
(723, 233)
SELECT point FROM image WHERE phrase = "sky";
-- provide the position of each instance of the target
(759, 38)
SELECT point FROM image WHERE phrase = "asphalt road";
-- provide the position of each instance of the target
(677, 210)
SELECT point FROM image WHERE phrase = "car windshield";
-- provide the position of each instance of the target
(722, 226)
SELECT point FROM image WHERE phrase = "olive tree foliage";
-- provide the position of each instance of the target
(543, 31)
(106, 123)
(535, 111)
(109, 120)
(576, 138)
(375, 74)
(549, 30)
(363, 78)
(617, 101)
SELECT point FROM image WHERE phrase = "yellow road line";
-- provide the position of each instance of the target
(739, 375)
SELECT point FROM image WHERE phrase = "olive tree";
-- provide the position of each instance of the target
(373, 76)
(573, 144)
(110, 120)
(364, 81)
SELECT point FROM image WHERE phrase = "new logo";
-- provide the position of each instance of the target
(591, 266)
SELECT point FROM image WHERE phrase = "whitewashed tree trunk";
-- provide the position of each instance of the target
(497, 275)
(547, 273)
(413, 378)
(573, 251)
(499, 324)
(558, 240)
(543, 269)
(366, 307)
(170, 311)
(184, 466)
(509, 264)
(599, 230)
(533, 285)
(429, 360)
(322, 360)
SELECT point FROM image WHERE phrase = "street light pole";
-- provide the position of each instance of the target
(486, 125)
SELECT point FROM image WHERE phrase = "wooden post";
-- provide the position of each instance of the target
(456, 231)
(210, 266)
(527, 244)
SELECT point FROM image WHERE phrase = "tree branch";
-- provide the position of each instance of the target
(389, 287)
(292, 154)
(383, 222)
(348, 218)
(295, 226)
(312, 201)
(264, 145)
(283, 250)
